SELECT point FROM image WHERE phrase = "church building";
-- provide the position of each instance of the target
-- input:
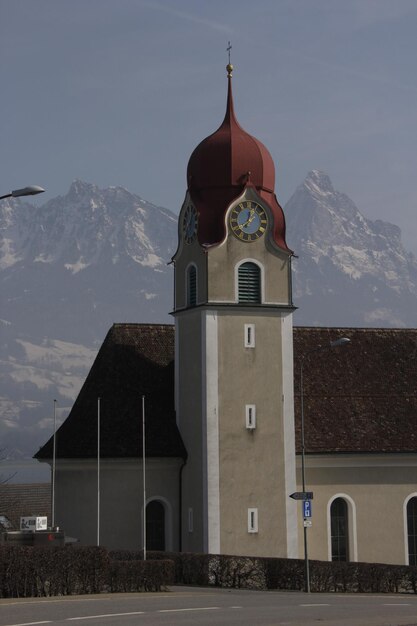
(215, 392)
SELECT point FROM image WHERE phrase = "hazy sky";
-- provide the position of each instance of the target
(119, 92)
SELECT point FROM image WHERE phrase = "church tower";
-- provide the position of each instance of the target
(234, 359)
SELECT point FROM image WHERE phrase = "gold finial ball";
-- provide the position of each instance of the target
(229, 68)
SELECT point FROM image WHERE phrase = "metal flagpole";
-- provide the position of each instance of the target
(53, 470)
(144, 477)
(303, 478)
(98, 471)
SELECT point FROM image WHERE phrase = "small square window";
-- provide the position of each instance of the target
(249, 335)
(250, 416)
(252, 520)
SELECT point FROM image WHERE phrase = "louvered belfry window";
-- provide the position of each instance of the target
(192, 286)
(249, 283)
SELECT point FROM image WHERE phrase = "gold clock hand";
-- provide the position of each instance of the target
(250, 219)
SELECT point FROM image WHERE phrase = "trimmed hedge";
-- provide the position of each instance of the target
(27, 571)
(133, 575)
(285, 574)
(189, 568)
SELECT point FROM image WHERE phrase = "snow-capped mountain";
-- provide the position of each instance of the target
(68, 270)
(350, 271)
(82, 261)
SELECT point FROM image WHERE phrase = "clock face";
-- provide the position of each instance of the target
(248, 221)
(189, 224)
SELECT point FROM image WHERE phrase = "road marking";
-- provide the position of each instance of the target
(32, 623)
(199, 608)
(315, 604)
(73, 619)
(235, 607)
(397, 604)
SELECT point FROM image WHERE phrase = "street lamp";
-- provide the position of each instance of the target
(32, 190)
(342, 341)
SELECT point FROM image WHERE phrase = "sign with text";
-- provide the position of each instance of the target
(33, 523)
(302, 495)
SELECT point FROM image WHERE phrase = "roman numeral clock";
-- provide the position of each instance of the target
(248, 221)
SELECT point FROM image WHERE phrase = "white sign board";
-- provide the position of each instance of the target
(33, 523)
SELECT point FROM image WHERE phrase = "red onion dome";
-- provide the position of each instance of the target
(224, 158)
(219, 169)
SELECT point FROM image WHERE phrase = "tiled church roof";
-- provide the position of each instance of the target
(18, 501)
(361, 397)
(134, 360)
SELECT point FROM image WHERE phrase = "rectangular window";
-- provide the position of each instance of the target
(252, 520)
(190, 520)
(249, 335)
(250, 416)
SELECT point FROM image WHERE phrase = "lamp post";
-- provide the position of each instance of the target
(333, 344)
(32, 190)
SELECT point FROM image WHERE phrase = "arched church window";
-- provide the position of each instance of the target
(339, 530)
(155, 525)
(412, 530)
(249, 283)
(192, 286)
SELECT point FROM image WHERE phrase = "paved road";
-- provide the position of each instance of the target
(185, 606)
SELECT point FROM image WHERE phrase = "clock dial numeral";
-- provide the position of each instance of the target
(248, 221)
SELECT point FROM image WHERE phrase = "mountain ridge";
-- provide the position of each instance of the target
(82, 261)
(94, 255)
(359, 265)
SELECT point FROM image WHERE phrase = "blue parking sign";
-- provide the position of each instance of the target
(307, 509)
